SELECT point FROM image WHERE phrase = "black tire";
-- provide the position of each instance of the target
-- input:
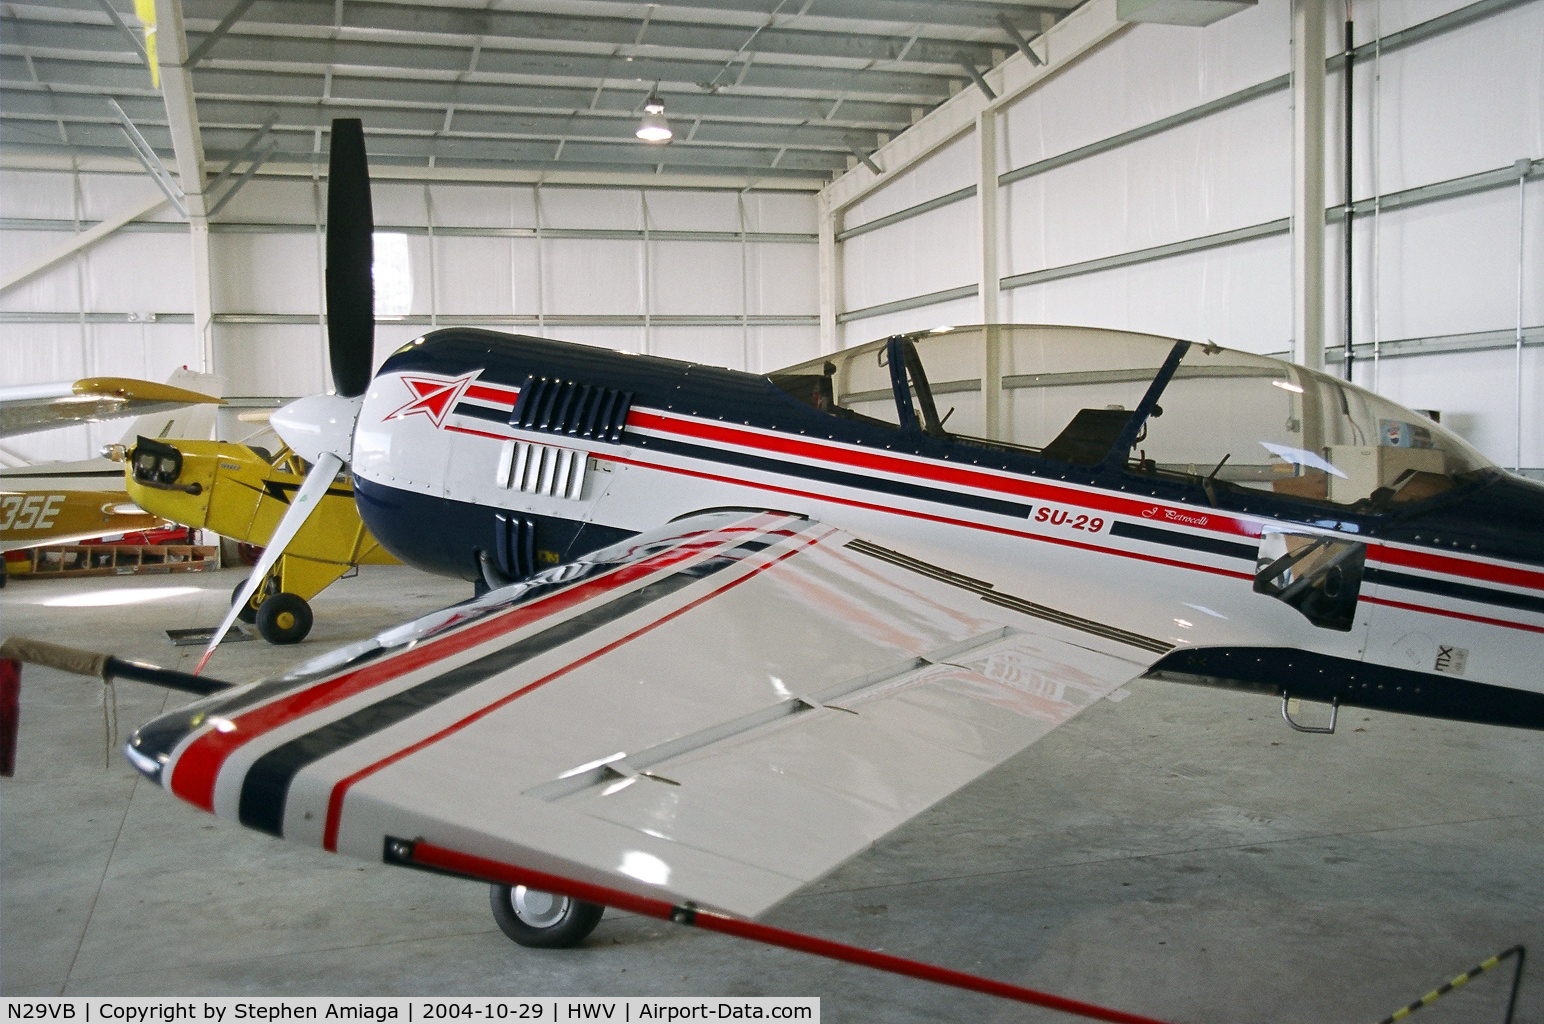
(247, 614)
(284, 619)
(542, 920)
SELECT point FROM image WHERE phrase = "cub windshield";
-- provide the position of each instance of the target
(1219, 418)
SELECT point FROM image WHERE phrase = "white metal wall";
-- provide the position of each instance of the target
(1148, 186)
(726, 277)
(120, 308)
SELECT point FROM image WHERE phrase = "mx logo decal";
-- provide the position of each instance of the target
(433, 397)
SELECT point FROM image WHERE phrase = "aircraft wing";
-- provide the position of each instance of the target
(40, 407)
(720, 711)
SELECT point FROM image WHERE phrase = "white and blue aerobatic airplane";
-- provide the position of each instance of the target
(735, 627)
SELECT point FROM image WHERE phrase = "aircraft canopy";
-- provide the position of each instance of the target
(1206, 413)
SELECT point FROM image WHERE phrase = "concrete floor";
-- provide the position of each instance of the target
(1181, 854)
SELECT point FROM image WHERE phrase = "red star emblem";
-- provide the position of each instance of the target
(434, 397)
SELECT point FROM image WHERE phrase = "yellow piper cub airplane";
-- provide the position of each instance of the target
(65, 502)
(242, 492)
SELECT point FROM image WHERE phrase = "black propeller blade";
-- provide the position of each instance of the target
(350, 254)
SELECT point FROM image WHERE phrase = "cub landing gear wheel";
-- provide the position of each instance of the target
(247, 614)
(542, 920)
(284, 619)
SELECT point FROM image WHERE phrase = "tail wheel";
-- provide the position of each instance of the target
(284, 619)
(542, 920)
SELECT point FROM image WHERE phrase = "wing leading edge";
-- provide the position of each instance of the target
(26, 409)
(720, 712)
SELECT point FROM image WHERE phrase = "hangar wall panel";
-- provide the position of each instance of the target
(55, 289)
(773, 347)
(1242, 294)
(696, 278)
(918, 256)
(783, 212)
(1148, 186)
(482, 206)
(593, 276)
(781, 280)
(1451, 267)
(717, 275)
(474, 275)
(948, 170)
(692, 211)
(608, 210)
(161, 283)
(37, 194)
(255, 273)
(277, 202)
(957, 311)
(272, 359)
(1465, 101)
(1229, 171)
(105, 195)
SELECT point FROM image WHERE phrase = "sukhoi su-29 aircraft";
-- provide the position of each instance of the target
(734, 627)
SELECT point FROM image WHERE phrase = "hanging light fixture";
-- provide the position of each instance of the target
(654, 127)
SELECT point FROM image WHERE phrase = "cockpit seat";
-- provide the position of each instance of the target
(1089, 437)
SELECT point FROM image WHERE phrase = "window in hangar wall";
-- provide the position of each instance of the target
(393, 275)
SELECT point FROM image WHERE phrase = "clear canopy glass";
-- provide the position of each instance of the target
(1224, 417)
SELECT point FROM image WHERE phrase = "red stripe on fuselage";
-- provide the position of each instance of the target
(1428, 561)
(197, 768)
(341, 788)
(1428, 610)
(929, 517)
(944, 473)
(493, 393)
(1032, 488)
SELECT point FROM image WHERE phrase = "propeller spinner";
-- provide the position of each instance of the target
(320, 428)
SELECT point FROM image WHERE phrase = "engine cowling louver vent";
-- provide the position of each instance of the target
(565, 407)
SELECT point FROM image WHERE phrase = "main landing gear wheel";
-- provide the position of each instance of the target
(284, 619)
(247, 614)
(542, 920)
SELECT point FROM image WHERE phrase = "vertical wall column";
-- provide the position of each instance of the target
(203, 301)
(830, 273)
(188, 146)
(1308, 76)
(986, 199)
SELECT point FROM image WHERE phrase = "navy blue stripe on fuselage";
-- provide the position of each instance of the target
(265, 788)
(1189, 541)
(802, 470)
(1023, 510)
(483, 412)
(838, 477)
(1461, 591)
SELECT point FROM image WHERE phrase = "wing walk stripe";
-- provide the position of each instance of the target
(991, 595)
(341, 788)
(266, 783)
(197, 767)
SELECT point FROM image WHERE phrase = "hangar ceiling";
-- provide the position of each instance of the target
(784, 90)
